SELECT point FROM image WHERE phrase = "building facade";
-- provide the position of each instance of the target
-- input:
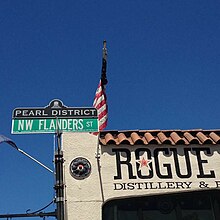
(142, 175)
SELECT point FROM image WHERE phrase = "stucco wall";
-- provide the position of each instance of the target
(83, 197)
(116, 172)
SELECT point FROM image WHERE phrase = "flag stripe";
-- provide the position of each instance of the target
(101, 105)
(103, 119)
(99, 92)
(102, 112)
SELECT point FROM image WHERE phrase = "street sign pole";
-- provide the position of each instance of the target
(59, 184)
(55, 118)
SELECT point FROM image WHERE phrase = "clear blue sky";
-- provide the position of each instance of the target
(163, 72)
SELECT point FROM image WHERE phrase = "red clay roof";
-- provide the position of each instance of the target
(158, 137)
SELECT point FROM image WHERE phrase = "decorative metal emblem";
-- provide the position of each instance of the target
(80, 168)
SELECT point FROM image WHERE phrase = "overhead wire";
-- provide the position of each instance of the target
(39, 210)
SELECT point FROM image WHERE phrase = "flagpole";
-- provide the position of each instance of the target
(12, 143)
(104, 64)
(35, 160)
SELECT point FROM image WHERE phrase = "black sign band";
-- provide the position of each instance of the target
(55, 109)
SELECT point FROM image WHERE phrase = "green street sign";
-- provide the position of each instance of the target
(54, 117)
(24, 126)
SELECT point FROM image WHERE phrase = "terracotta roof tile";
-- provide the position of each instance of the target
(191, 138)
(163, 138)
(159, 137)
(176, 138)
(122, 139)
(150, 138)
(203, 138)
(215, 137)
(136, 139)
(109, 139)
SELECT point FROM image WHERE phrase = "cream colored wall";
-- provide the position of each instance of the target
(86, 197)
(108, 167)
(83, 197)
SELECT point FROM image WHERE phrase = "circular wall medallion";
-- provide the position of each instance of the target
(80, 168)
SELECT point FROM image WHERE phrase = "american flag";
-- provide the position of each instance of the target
(100, 101)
